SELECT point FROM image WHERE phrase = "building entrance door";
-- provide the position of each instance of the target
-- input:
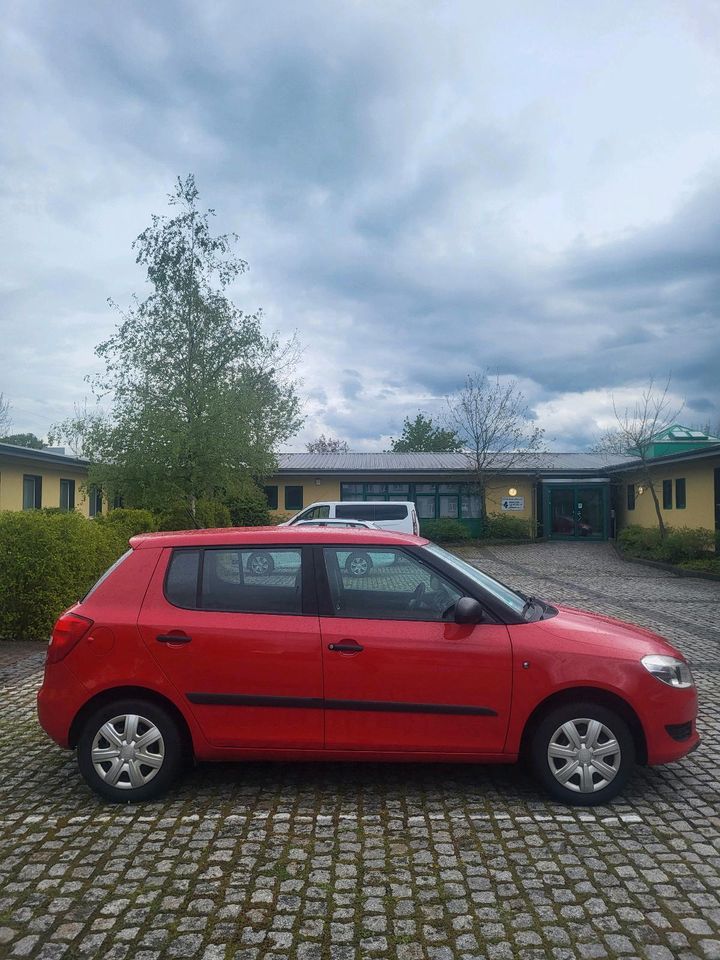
(576, 511)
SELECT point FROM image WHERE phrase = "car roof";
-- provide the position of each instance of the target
(273, 536)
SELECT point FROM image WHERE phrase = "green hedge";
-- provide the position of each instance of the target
(680, 545)
(500, 526)
(48, 561)
(444, 531)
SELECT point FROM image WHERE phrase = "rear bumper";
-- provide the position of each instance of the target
(58, 701)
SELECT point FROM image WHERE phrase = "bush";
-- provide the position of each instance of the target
(499, 526)
(249, 507)
(208, 514)
(679, 546)
(127, 523)
(47, 563)
(444, 531)
(276, 518)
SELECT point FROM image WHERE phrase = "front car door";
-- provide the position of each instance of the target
(398, 677)
(236, 632)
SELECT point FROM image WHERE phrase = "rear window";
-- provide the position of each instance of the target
(181, 583)
(107, 573)
(371, 511)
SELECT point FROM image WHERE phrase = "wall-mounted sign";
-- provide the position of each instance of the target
(513, 503)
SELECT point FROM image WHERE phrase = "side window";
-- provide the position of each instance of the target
(271, 495)
(356, 511)
(386, 584)
(680, 497)
(261, 580)
(181, 581)
(389, 511)
(667, 494)
(316, 513)
(67, 494)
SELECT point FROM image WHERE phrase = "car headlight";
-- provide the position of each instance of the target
(670, 670)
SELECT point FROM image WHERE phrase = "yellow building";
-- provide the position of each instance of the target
(31, 479)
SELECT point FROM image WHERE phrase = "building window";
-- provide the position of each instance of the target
(271, 495)
(667, 494)
(352, 491)
(96, 501)
(631, 496)
(118, 501)
(680, 500)
(32, 492)
(293, 498)
(67, 494)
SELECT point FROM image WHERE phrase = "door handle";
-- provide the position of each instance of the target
(345, 647)
(174, 638)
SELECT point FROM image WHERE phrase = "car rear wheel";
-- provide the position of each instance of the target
(260, 564)
(583, 753)
(129, 751)
(358, 564)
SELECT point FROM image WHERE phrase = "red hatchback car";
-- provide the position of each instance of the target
(264, 643)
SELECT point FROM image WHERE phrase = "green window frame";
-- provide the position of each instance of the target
(680, 494)
(455, 501)
(271, 495)
(667, 494)
(293, 497)
(631, 496)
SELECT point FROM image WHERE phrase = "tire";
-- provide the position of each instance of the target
(105, 730)
(565, 738)
(358, 564)
(260, 564)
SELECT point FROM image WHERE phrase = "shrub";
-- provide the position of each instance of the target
(208, 514)
(680, 545)
(127, 523)
(47, 562)
(499, 526)
(444, 531)
(711, 565)
(275, 518)
(249, 507)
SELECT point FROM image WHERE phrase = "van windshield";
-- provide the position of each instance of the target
(504, 594)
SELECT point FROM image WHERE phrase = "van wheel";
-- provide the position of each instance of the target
(260, 564)
(129, 751)
(582, 753)
(358, 564)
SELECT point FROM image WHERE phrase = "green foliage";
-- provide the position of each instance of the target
(325, 444)
(208, 514)
(680, 545)
(127, 523)
(198, 395)
(48, 561)
(444, 531)
(275, 519)
(24, 440)
(500, 526)
(711, 565)
(249, 507)
(422, 436)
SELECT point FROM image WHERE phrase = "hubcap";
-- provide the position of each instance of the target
(584, 755)
(259, 565)
(358, 566)
(127, 751)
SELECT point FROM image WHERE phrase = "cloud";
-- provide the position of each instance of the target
(421, 190)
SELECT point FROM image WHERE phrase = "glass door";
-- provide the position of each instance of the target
(577, 512)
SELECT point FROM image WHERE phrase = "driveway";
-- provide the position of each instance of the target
(380, 861)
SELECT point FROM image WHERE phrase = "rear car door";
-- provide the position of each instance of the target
(399, 677)
(236, 632)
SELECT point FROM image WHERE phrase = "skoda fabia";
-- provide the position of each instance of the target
(262, 644)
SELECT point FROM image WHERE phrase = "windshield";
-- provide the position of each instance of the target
(509, 597)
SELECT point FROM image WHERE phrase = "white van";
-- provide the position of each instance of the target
(387, 515)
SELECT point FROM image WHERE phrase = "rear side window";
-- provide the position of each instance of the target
(390, 511)
(239, 580)
(355, 511)
(181, 584)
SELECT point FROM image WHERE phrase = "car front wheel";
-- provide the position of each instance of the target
(129, 751)
(583, 753)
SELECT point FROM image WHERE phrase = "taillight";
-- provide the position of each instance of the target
(67, 632)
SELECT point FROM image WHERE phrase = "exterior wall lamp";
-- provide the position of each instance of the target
(512, 492)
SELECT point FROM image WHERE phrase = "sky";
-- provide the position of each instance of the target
(422, 190)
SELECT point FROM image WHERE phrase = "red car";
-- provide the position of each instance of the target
(191, 647)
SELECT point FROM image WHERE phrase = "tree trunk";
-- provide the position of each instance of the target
(658, 511)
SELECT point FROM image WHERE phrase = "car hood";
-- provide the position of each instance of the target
(596, 630)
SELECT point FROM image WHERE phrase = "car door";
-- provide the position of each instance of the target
(399, 677)
(236, 633)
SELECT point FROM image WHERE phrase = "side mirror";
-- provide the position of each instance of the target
(468, 610)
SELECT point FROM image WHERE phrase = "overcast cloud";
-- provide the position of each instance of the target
(421, 189)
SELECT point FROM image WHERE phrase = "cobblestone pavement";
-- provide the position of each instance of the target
(380, 861)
